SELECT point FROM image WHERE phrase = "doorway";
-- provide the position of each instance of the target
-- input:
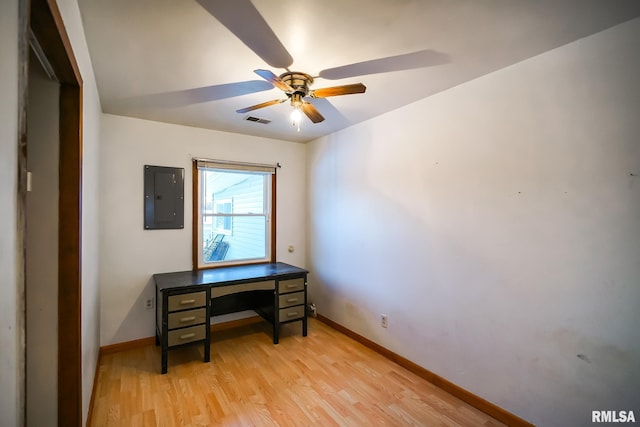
(41, 20)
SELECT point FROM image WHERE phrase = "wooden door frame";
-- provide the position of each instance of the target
(45, 21)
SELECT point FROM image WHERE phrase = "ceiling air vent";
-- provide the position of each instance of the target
(257, 120)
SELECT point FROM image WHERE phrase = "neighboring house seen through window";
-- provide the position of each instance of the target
(234, 213)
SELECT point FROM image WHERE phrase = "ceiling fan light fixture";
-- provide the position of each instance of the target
(296, 118)
(296, 114)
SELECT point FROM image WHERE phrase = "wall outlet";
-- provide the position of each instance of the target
(384, 320)
(313, 311)
(148, 303)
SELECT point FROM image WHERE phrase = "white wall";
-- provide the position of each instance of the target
(498, 225)
(130, 255)
(9, 356)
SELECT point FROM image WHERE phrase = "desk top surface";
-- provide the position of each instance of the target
(226, 275)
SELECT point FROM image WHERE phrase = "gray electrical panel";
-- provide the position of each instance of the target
(163, 197)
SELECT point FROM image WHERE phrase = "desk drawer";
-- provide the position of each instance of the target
(184, 301)
(219, 291)
(183, 336)
(291, 313)
(291, 285)
(288, 300)
(187, 318)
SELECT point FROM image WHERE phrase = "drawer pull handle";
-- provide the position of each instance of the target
(188, 319)
(294, 313)
(187, 301)
(292, 300)
(185, 336)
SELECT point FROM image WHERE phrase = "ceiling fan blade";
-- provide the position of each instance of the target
(243, 19)
(311, 112)
(408, 61)
(274, 80)
(338, 90)
(262, 105)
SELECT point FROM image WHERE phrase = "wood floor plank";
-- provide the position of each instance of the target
(324, 379)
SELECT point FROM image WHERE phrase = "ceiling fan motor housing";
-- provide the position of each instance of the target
(300, 82)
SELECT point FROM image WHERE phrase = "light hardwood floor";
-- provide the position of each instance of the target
(325, 379)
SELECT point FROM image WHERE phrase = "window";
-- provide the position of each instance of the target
(233, 223)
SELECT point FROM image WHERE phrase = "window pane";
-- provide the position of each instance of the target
(222, 207)
(243, 192)
(246, 242)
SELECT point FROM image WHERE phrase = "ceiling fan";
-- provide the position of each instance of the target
(245, 22)
(296, 86)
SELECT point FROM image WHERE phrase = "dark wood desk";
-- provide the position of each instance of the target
(186, 300)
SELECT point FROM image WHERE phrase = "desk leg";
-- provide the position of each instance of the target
(164, 361)
(276, 332)
(207, 336)
(304, 326)
(207, 351)
(164, 345)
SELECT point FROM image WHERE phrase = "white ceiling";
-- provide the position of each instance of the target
(173, 61)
